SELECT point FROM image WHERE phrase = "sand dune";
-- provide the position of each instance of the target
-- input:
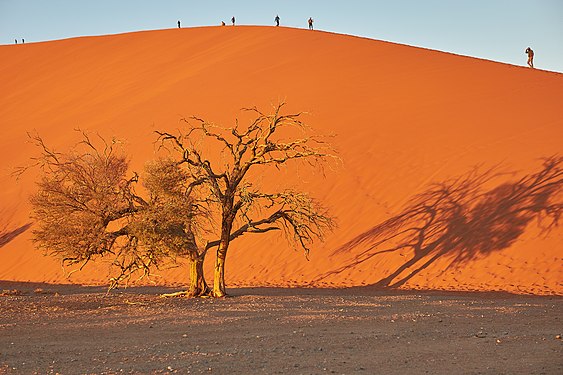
(404, 118)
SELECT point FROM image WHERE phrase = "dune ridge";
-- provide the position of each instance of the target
(404, 119)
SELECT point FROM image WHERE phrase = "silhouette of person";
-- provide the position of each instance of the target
(233, 20)
(222, 23)
(277, 19)
(23, 40)
(530, 54)
(16, 41)
(310, 21)
(178, 24)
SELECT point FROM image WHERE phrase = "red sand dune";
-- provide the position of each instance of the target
(404, 118)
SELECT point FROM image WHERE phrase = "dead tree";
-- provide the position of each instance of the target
(222, 183)
(86, 208)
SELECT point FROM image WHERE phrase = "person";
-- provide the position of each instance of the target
(233, 20)
(23, 41)
(178, 24)
(277, 19)
(16, 41)
(222, 23)
(530, 54)
(310, 23)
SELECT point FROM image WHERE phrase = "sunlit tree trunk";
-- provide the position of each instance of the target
(198, 286)
(219, 289)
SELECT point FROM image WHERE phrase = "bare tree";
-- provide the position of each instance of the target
(86, 208)
(222, 183)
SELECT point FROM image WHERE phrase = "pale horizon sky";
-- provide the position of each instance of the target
(498, 30)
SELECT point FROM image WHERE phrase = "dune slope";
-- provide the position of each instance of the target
(405, 118)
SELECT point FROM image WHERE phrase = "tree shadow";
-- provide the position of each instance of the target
(8, 235)
(8, 232)
(462, 218)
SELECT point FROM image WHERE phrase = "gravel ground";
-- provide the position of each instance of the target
(49, 329)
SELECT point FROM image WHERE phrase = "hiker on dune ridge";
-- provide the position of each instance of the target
(530, 54)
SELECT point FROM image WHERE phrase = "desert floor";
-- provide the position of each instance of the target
(74, 330)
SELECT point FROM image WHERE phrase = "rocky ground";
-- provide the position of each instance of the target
(48, 329)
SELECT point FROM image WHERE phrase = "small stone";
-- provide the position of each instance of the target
(558, 337)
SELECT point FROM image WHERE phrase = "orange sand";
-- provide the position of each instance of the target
(404, 118)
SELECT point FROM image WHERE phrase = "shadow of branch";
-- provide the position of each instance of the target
(7, 235)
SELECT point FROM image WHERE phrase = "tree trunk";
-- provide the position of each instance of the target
(198, 286)
(219, 289)
(228, 216)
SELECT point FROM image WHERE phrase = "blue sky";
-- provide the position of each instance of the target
(497, 30)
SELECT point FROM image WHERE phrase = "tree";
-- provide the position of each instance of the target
(86, 208)
(223, 183)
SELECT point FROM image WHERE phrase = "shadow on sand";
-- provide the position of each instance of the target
(462, 218)
(7, 234)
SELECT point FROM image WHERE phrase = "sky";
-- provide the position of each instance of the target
(498, 30)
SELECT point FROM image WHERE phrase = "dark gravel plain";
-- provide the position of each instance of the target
(66, 329)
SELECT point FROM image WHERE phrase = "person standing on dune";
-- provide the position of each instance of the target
(310, 21)
(530, 54)
(178, 24)
(277, 19)
(233, 20)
